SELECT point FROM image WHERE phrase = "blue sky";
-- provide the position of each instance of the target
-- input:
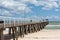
(31, 9)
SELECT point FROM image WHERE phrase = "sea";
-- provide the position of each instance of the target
(53, 25)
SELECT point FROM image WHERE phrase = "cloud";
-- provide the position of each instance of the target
(34, 18)
(47, 4)
(20, 6)
(5, 13)
(52, 17)
(56, 9)
(40, 18)
(16, 7)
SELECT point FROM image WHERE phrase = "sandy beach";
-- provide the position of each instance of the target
(41, 35)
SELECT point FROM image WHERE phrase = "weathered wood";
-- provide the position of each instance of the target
(10, 29)
(1, 34)
(16, 34)
(41, 26)
(32, 28)
(26, 29)
(38, 27)
(29, 28)
(1, 30)
(21, 31)
(35, 29)
(13, 33)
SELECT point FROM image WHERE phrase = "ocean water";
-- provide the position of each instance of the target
(53, 25)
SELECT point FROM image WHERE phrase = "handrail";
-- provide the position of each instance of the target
(13, 21)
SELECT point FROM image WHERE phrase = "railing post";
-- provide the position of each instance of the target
(4, 22)
(18, 22)
(14, 21)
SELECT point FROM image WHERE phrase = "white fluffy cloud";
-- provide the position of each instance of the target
(40, 18)
(20, 6)
(34, 18)
(5, 13)
(15, 6)
(47, 4)
(53, 17)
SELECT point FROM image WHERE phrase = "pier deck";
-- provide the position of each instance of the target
(21, 28)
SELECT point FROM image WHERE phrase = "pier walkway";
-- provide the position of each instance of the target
(20, 28)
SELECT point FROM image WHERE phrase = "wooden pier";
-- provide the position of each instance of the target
(17, 29)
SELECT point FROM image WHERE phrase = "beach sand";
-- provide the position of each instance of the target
(41, 35)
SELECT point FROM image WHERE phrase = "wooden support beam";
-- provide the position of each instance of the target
(10, 29)
(41, 26)
(1, 34)
(22, 31)
(29, 28)
(15, 34)
(38, 27)
(33, 28)
(21, 28)
(26, 29)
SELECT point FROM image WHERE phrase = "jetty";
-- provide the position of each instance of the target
(20, 28)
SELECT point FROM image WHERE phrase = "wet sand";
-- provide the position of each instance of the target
(42, 35)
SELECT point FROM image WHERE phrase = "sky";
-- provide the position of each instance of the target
(31, 9)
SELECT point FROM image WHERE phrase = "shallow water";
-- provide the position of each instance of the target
(53, 25)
